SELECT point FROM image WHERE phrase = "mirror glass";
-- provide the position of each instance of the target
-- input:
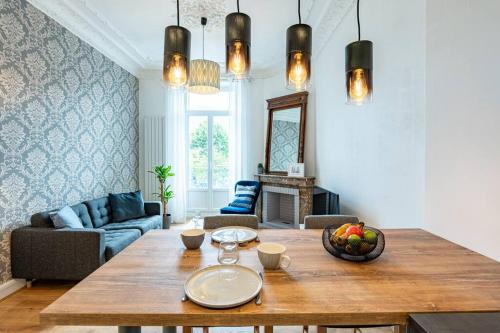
(285, 136)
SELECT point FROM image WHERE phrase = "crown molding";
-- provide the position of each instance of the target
(89, 26)
(329, 15)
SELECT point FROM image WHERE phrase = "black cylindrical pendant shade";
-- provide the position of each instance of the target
(299, 51)
(358, 69)
(238, 42)
(176, 56)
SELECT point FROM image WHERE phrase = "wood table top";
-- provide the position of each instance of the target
(418, 272)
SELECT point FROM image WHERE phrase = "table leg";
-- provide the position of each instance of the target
(268, 329)
(129, 329)
(322, 329)
(400, 329)
(169, 329)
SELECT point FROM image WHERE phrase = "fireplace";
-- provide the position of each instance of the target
(285, 200)
(280, 205)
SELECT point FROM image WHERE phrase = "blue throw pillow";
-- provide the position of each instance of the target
(126, 206)
(66, 218)
(244, 196)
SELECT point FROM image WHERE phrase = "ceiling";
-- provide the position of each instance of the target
(130, 32)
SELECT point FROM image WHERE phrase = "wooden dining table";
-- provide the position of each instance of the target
(417, 273)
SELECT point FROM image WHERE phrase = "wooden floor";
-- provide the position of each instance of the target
(19, 314)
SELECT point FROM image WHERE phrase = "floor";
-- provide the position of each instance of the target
(19, 313)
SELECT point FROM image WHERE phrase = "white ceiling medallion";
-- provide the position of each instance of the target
(191, 11)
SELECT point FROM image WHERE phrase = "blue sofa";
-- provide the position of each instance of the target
(240, 210)
(40, 251)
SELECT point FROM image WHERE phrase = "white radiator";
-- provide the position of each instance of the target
(155, 153)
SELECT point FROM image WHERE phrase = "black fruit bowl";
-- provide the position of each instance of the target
(342, 254)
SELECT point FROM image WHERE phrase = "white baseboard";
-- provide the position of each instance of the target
(11, 287)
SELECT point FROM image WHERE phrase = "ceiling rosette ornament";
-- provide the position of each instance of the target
(214, 10)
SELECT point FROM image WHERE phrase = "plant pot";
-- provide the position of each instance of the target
(260, 169)
(167, 221)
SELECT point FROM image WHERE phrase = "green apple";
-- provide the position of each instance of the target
(354, 240)
(370, 236)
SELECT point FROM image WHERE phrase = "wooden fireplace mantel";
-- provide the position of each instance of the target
(302, 187)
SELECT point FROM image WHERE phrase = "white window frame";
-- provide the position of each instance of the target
(210, 114)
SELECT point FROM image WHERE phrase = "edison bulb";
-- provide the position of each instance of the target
(237, 62)
(176, 71)
(298, 71)
(359, 84)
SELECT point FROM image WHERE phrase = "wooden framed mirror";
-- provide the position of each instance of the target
(286, 128)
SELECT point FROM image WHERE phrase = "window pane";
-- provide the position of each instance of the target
(198, 152)
(215, 102)
(220, 152)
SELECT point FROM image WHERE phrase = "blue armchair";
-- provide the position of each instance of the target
(240, 210)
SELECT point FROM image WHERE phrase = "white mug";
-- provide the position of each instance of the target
(272, 256)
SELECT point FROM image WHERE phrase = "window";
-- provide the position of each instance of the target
(207, 150)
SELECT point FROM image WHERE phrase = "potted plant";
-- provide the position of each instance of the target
(162, 173)
(260, 169)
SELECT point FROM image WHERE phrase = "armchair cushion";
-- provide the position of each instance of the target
(126, 206)
(244, 196)
(235, 210)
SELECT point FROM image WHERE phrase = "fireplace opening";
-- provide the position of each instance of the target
(280, 210)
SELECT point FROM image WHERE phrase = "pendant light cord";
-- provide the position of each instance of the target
(359, 26)
(238, 5)
(203, 48)
(178, 20)
(300, 18)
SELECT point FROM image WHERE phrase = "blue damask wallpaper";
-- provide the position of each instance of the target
(68, 121)
(284, 144)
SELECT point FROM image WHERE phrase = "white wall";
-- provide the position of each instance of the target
(373, 155)
(463, 117)
(152, 102)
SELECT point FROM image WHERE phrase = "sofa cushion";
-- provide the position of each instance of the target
(42, 220)
(66, 218)
(99, 211)
(126, 206)
(143, 224)
(117, 240)
(235, 210)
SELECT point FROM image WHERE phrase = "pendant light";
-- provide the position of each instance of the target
(298, 52)
(358, 69)
(205, 74)
(238, 40)
(176, 54)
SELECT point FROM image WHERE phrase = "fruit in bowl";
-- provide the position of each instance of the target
(354, 239)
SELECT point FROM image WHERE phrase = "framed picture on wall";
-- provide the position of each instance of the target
(296, 170)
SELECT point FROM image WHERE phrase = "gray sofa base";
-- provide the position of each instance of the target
(40, 251)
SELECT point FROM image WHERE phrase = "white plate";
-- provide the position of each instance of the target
(223, 286)
(244, 234)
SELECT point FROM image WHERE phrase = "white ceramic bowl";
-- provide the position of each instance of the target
(193, 238)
